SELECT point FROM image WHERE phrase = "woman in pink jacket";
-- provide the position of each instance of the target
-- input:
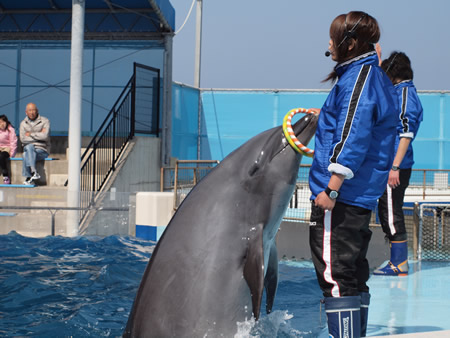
(8, 146)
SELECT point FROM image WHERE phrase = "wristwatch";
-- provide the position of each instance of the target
(333, 194)
(395, 168)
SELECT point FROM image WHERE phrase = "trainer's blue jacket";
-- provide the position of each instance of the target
(356, 133)
(411, 114)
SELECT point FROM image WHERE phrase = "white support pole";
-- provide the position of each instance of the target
(198, 43)
(76, 87)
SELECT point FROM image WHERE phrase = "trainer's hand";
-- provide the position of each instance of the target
(324, 202)
(394, 178)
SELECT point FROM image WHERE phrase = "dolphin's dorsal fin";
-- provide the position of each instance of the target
(254, 267)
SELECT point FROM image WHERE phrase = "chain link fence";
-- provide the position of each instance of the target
(434, 232)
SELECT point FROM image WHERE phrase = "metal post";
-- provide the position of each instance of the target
(198, 52)
(424, 183)
(53, 221)
(198, 43)
(166, 133)
(133, 102)
(161, 180)
(18, 113)
(76, 86)
(416, 218)
(175, 185)
(419, 247)
(91, 126)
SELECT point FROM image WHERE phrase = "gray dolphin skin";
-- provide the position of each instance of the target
(218, 252)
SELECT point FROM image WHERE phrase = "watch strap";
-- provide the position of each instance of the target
(333, 194)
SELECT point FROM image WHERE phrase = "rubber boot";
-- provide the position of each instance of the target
(398, 265)
(343, 316)
(365, 301)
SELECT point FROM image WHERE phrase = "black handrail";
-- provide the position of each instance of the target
(125, 92)
(103, 151)
(100, 157)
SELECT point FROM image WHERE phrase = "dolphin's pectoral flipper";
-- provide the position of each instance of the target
(254, 267)
(271, 279)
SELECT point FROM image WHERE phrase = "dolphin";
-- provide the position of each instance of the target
(218, 252)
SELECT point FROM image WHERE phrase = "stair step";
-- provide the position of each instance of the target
(45, 168)
(57, 180)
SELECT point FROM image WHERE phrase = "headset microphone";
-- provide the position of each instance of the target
(349, 34)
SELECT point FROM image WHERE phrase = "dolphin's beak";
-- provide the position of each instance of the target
(305, 128)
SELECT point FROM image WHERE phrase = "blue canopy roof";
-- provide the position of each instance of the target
(104, 19)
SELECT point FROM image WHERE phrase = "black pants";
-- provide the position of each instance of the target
(4, 156)
(390, 209)
(339, 240)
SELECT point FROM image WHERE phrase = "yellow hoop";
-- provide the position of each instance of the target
(290, 135)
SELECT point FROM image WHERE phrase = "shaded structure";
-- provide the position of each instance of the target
(35, 57)
(30, 29)
(104, 19)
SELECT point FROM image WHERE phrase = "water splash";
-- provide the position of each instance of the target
(276, 324)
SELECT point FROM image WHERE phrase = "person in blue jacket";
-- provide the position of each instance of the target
(354, 151)
(390, 205)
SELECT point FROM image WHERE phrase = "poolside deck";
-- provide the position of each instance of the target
(414, 306)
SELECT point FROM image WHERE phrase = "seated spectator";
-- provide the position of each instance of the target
(35, 139)
(8, 146)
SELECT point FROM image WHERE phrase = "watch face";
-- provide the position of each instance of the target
(333, 194)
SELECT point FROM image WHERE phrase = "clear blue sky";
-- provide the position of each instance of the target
(281, 43)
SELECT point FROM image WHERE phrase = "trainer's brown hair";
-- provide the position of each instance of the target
(355, 26)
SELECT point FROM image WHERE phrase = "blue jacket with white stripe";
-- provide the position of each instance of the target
(411, 114)
(356, 133)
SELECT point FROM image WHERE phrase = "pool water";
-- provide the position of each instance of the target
(85, 287)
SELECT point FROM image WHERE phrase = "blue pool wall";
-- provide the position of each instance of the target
(229, 117)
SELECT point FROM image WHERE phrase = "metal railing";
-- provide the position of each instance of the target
(427, 229)
(137, 105)
(184, 177)
(424, 184)
(105, 148)
(428, 183)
